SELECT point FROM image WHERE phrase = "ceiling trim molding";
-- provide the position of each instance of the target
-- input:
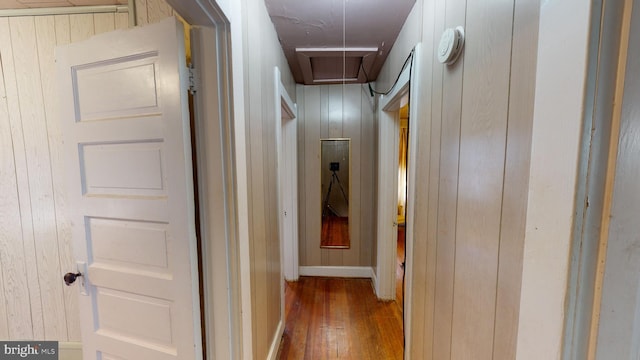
(304, 55)
(68, 10)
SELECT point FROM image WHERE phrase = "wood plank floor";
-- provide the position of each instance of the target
(335, 232)
(400, 259)
(336, 318)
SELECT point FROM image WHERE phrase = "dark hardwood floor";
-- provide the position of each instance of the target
(400, 259)
(335, 232)
(337, 318)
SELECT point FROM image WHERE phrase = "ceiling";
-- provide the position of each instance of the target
(320, 52)
(25, 4)
(325, 41)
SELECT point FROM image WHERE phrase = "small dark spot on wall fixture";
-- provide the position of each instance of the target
(451, 44)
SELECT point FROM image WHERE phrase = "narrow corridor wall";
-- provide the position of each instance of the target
(474, 136)
(334, 111)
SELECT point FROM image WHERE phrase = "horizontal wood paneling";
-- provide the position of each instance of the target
(343, 112)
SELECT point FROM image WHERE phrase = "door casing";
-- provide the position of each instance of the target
(286, 138)
(406, 88)
(221, 171)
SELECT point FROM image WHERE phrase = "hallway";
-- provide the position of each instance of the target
(338, 318)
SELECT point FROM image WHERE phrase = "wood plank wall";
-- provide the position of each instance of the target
(35, 248)
(334, 111)
(261, 53)
(473, 166)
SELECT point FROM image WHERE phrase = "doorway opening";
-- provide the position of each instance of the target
(287, 175)
(392, 106)
(403, 149)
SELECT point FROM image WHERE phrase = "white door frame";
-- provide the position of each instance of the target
(286, 139)
(287, 180)
(221, 172)
(597, 165)
(388, 152)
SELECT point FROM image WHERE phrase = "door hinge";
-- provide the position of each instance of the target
(194, 79)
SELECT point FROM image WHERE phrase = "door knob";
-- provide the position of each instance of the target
(70, 278)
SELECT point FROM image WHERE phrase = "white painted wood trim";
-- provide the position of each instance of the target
(215, 208)
(68, 10)
(242, 194)
(278, 106)
(415, 93)
(283, 96)
(607, 65)
(70, 350)
(389, 125)
(286, 126)
(338, 271)
(133, 21)
(563, 41)
(275, 343)
(228, 25)
(391, 101)
(374, 278)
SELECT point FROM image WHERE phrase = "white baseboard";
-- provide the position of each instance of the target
(338, 271)
(70, 351)
(374, 280)
(275, 344)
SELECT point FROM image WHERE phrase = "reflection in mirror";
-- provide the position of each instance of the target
(334, 172)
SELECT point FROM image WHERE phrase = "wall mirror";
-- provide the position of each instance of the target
(334, 180)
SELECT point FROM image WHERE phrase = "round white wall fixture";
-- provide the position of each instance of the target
(451, 44)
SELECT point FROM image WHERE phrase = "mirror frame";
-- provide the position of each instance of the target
(323, 195)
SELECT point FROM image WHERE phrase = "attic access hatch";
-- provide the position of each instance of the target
(316, 34)
(320, 65)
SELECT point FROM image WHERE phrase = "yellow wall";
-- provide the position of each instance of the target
(473, 164)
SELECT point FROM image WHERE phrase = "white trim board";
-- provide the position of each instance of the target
(384, 278)
(275, 343)
(70, 350)
(388, 134)
(70, 10)
(338, 271)
(219, 82)
(286, 138)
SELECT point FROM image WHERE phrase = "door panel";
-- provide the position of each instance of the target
(127, 140)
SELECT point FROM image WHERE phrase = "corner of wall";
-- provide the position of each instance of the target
(558, 115)
(70, 350)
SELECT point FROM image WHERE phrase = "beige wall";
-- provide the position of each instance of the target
(473, 166)
(334, 111)
(261, 53)
(35, 249)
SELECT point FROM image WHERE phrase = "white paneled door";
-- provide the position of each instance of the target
(125, 120)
